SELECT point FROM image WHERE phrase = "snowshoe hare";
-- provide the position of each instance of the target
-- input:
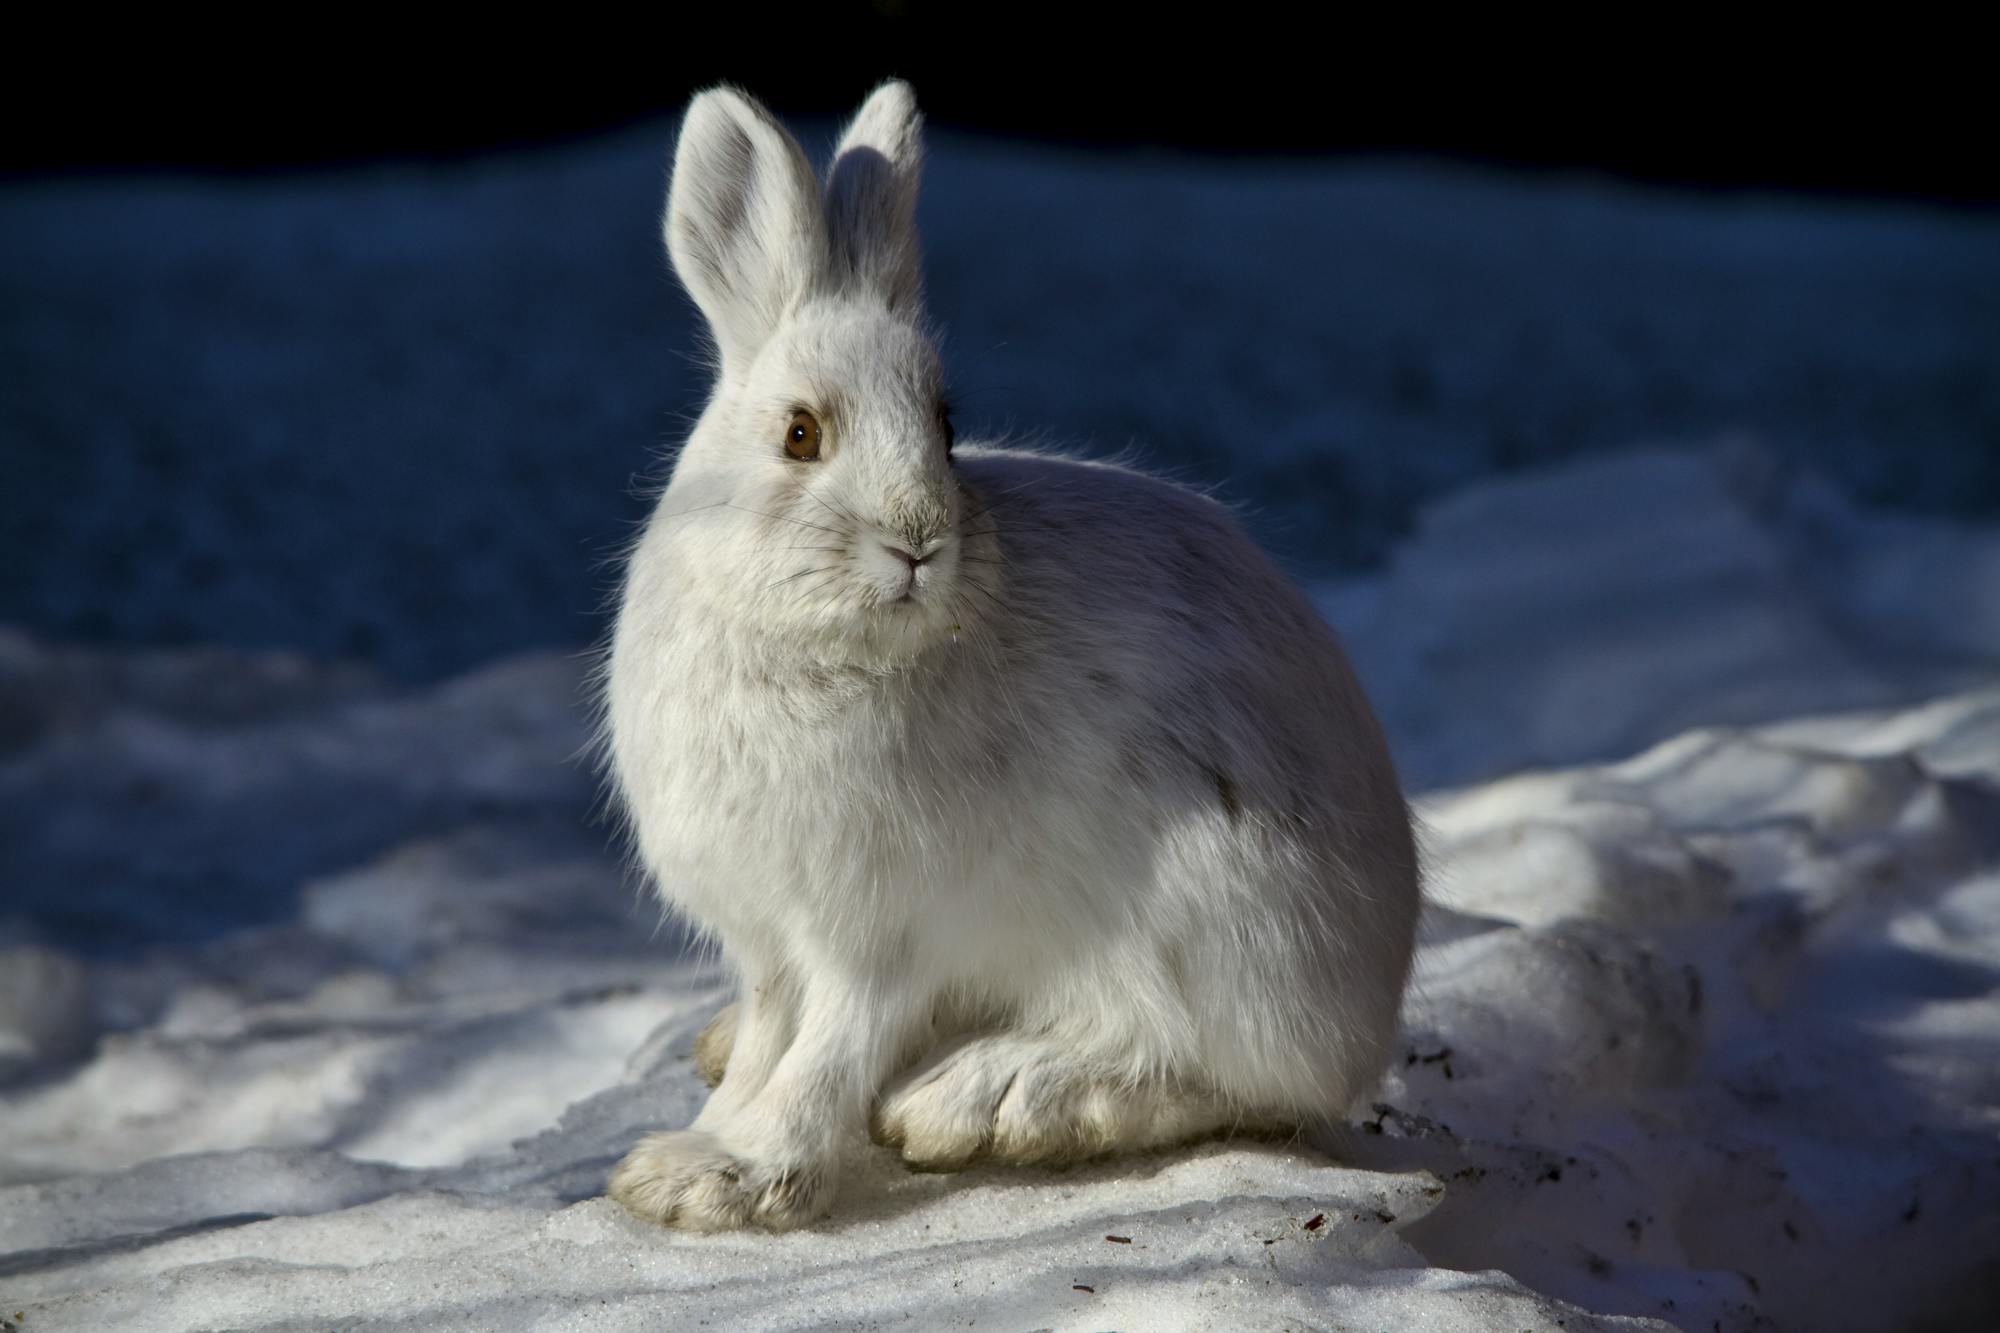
(1041, 816)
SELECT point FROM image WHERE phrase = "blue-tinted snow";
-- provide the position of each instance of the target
(397, 412)
(323, 1002)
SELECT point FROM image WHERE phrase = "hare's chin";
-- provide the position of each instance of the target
(912, 618)
(911, 599)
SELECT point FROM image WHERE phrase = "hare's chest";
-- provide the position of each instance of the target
(751, 786)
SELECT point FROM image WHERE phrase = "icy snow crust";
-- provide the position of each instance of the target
(1705, 1038)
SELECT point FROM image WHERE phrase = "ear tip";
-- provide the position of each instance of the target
(896, 94)
(893, 104)
(723, 104)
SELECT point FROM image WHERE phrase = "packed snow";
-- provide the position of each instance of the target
(1707, 1036)
(326, 997)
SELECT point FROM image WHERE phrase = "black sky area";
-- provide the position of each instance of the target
(1890, 114)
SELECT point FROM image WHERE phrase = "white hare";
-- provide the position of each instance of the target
(1041, 816)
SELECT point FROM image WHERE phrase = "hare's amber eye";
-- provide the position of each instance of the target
(802, 436)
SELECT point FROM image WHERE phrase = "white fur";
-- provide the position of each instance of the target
(1088, 843)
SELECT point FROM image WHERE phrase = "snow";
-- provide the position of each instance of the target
(1708, 1035)
(326, 1000)
(1582, 612)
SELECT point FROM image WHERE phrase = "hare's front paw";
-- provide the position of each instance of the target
(685, 1178)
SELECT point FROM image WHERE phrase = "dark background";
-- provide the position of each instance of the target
(354, 337)
(1887, 111)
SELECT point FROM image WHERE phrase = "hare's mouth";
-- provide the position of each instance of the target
(901, 579)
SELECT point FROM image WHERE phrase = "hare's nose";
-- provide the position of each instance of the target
(910, 558)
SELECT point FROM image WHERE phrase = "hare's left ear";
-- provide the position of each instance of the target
(871, 192)
(743, 222)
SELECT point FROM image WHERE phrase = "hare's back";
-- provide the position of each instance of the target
(1089, 546)
(1158, 652)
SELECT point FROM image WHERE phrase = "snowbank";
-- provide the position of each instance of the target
(1709, 1036)
(323, 1003)
(1582, 612)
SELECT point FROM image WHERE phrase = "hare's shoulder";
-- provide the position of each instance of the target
(1102, 505)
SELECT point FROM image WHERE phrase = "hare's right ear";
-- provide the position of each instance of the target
(871, 194)
(744, 222)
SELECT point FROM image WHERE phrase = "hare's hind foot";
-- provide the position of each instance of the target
(1022, 1100)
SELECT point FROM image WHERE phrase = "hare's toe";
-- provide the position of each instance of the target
(713, 1046)
(1055, 1113)
(940, 1114)
(687, 1179)
(1019, 1100)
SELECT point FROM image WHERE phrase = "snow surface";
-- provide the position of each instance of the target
(325, 1003)
(1706, 1038)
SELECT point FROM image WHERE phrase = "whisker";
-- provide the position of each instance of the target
(833, 577)
(745, 509)
(693, 509)
(994, 499)
(820, 569)
(840, 512)
(988, 593)
(784, 518)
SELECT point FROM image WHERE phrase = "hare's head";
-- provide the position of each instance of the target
(820, 478)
